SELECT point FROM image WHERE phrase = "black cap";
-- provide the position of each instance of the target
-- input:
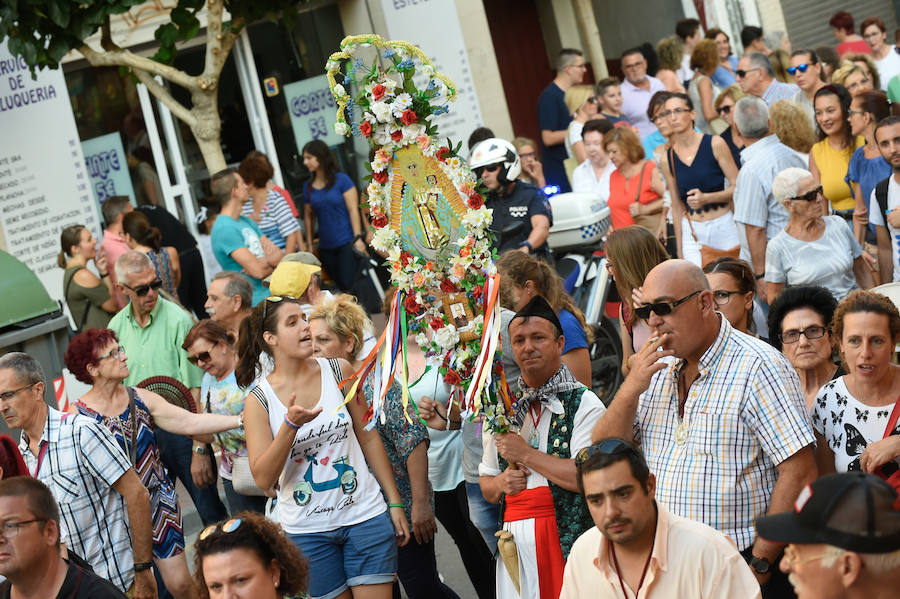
(851, 510)
(539, 307)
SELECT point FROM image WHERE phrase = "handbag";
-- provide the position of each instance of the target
(241, 478)
(708, 254)
(890, 471)
(648, 221)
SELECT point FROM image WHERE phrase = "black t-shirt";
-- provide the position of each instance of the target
(79, 584)
(521, 203)
(174, 233)
(554, 116)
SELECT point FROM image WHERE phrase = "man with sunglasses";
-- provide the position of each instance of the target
(637, 543)
(807, 72)
(152, 329)
(756, 77)
(104, 506)
(719, 415)
(759, 215)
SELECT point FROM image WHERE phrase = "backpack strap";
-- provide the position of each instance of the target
(881, 196)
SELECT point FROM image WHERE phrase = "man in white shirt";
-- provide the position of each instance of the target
(885, 55)
(690, 33)
(592, 175)
(885, 200)
(637, 89)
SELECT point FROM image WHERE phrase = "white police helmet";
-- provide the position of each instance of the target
(497, 151)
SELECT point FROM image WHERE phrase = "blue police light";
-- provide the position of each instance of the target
(551, 190)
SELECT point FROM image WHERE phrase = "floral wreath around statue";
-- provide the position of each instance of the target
(393, 113)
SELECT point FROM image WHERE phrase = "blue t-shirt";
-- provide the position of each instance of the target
(335, 229)
(868, 172)
(722, 77)
(572, 331)
(554, 116)
(228, 235)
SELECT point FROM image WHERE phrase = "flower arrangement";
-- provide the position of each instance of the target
(393, 108)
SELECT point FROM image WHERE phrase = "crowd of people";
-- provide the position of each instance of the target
(751, 451)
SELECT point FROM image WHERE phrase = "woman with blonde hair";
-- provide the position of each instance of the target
(781, 60)
(853, 77)
(532, 169)
(582, 105)
(522, 278)
(865, 62)
(670, 51)
(724, 106)
(793, 128)
(631, 253)
(703, 92)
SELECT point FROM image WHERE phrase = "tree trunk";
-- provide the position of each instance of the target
(207, 129)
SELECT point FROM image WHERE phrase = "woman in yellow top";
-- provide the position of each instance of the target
(829, 158)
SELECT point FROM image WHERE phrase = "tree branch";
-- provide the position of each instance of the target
(160, 91)
(125, 58)
(214, 37)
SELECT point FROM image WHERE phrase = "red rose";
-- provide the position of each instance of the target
(397, 135)
(378, 91)
(405, 258)
(447, 286)
(411, 305)
(476, 201)
(476, 291)
(380, 221)
(380, 176)
(437, 323)
(366, 128)
(408, 117)
(452, 378)
(442, 153)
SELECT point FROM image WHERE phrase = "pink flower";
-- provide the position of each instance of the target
(383, 156)
(424, 141)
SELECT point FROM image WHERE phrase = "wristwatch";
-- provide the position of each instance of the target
(527, 244)
(201, 450)
(760, 565)
(142, 566)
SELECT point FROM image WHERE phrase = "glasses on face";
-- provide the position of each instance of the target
(592, 99)
(632, 66)
(793, 336)
(800, 67)
(526, 155)
(810, 196)
(790, 554)
(723, 110)
(723, 297)
(8, 530)
(116, 352)
(662, 308)
(145, 289)
(491, 168)
(227, 526)
(201, 357)
(8, 395)
(741, 73)
(605, 447)
(676, 112)
(861, 82)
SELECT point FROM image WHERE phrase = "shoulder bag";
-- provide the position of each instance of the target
(648, 221)
(890, 471)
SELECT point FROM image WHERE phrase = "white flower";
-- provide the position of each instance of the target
(373, 191)
(428, 70)
(339, 91)
(382, 135)
(478, 219)
(389, 83)
(401, 103)
(332, 65)
(377, 166)
(447, 337)
(370, 117)
(341, 128)
(411, 132)
(422, 340)
(384, 239)
(382, 111)
(454, 163)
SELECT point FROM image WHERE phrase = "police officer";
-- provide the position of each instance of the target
(520, 209)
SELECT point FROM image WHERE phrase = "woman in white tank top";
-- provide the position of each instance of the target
(301, 436)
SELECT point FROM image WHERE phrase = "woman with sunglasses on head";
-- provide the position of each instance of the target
(851, 412)
(814, 248)
(806, 69)
(90, 299)
(631, 253)
(582, 105)
(867, 167)
(248, 557)
(130, 413)
(140, 236)
(211, 347)
(696, 167)
(304, 437)
(703, 92)
(829, 158)
(733, 286)
(798, 326)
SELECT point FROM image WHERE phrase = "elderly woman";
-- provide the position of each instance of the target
(724, 106)
(96, 358)
(813, 249)
(582, 105)
(90, 299)
(248, 556)
(867, 167)
(792, 126)
(829, 158)
(724, 75)
(851, 413)
(798, 326)
(702, 90)
(211, 347)
(733, 286)
(852, 76)
(635, 187)
(865, 62)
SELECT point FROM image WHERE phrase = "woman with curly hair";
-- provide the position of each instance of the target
(792, 126)
(829, 158)
(865, 62)
(703, 92)
(95, 358)
(852, 76)
(670, 52)
(248, 557)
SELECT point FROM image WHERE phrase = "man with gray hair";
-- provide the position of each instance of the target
(104, 506)
(151, 330)
(229, 300)
(554, 117)
(762, 216)
(757, 78)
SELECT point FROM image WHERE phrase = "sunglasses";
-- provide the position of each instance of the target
(201, 357)
(742, 73)
(145, 289)
(810, 196)
(274, 299)
(800, 67)
(605, 447)
(227, 526)
(793, 336)
(662, 308)
(724, 109)
(491, 168)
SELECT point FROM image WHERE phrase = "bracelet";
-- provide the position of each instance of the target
(291, 424)
(399, 505)
(142, 566)
(761, 275)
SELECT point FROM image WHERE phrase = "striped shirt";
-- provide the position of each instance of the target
(80, 461)
(744, 415)
(276, 220)
(779, 91)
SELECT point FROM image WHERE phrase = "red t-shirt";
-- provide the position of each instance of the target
(857, 47)
(622, 192)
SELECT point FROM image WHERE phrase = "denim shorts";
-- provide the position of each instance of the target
(349, 556)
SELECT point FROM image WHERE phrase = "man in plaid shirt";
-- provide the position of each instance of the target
(719, 414)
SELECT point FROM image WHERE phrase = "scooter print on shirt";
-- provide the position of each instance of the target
(345, 478)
